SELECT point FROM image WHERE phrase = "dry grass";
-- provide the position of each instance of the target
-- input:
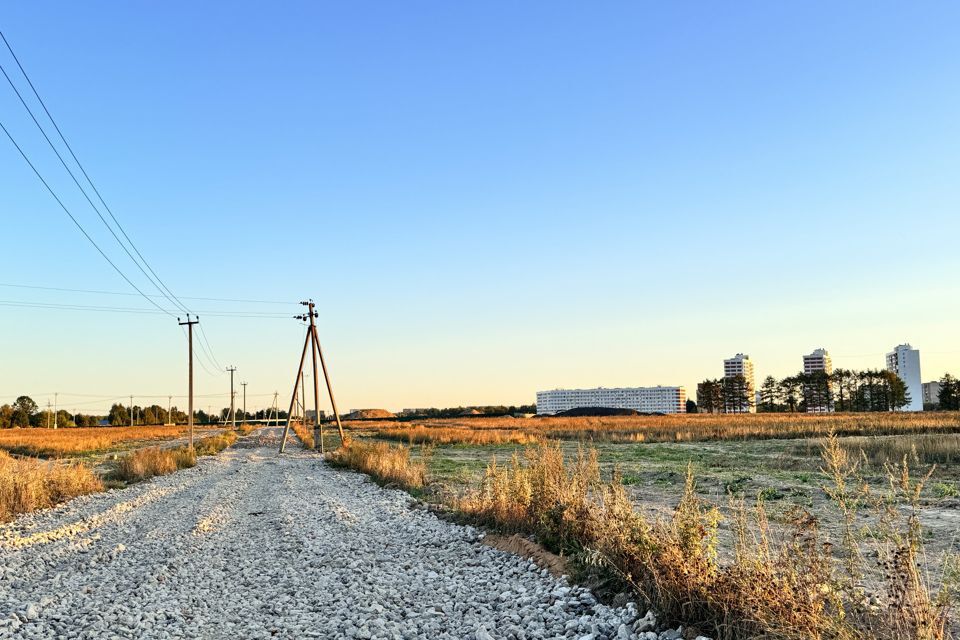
(940, 449)
(794, 586)
(27, 485)
(419, 434)
(677, 428)
(246, 429)
(386, 463)
(212, 445)
(56, 443)
(154, 461)
(304, 433)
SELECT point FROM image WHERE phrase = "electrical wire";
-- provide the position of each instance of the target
(200, 360)
(162, 286)
(203, 335)
(77, 223)
(79, 307)
(127, 293)
(82, 190)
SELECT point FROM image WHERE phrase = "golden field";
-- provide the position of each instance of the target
(57, 443)
(669, 428)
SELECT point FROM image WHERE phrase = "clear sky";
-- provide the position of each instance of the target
(485, 198)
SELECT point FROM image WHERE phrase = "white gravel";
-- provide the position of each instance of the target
(252, 545)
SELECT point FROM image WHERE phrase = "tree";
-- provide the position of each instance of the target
(24, 409)
(710, 396)
(691, 406)
(769, 395)
(737, 395)
(949, 396)
(119, 416)
(6, 416)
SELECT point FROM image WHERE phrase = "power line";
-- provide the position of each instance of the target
(203, 337)
(80, 307)
(168, 294)
(77, 223)
(79, 186)
(127, 293)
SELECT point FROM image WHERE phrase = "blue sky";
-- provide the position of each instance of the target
(487, 199)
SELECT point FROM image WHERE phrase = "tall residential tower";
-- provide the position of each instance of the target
(818, 393)
(904, 361)
(746, 402)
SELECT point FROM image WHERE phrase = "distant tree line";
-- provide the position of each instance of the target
(725, 395)
(24, 412)
(842, 390)
(455, 412)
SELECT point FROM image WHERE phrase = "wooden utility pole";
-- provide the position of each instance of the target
(317, 354)
(244, 420)
(131, 411)
(326, 378)
(233, 413)
(55, 410)
(190, 324)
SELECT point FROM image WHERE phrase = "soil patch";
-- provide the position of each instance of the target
(517, 544)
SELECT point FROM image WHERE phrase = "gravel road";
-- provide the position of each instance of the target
(252, 545)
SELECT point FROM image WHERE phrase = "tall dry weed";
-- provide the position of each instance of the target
(27, 484)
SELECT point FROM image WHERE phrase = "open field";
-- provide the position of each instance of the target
(79, 441)
(668, 428)
(639, 465)
(250, 544)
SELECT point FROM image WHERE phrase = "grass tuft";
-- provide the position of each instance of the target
(27, 484)
(386, 463)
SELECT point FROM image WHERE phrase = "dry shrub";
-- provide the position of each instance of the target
(389, 464)
(154, 461)
(793, 586)
(304, 433)
(212, 445)
(419, 434)
(27, 485)
(246, 429)
(53, 443)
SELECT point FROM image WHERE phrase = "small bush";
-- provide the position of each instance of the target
(27, 485)
(246, 429)
(154, 461)
(212, 445)
(387, 464)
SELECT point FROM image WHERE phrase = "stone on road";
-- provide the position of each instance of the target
(250, 544)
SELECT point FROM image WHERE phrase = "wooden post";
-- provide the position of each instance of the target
(293, 398)
(326, 378)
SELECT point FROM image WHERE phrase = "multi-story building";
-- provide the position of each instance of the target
(819, 360)
(904, 361)
(931, 393)
(642, 399)
(819, 396)
(740, 366)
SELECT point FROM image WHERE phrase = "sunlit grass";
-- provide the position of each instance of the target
(55, 443)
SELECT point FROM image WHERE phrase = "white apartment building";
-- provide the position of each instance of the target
(741, 365)
(931, 392)
(904, 361)
(643, 399)
(817, 362)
